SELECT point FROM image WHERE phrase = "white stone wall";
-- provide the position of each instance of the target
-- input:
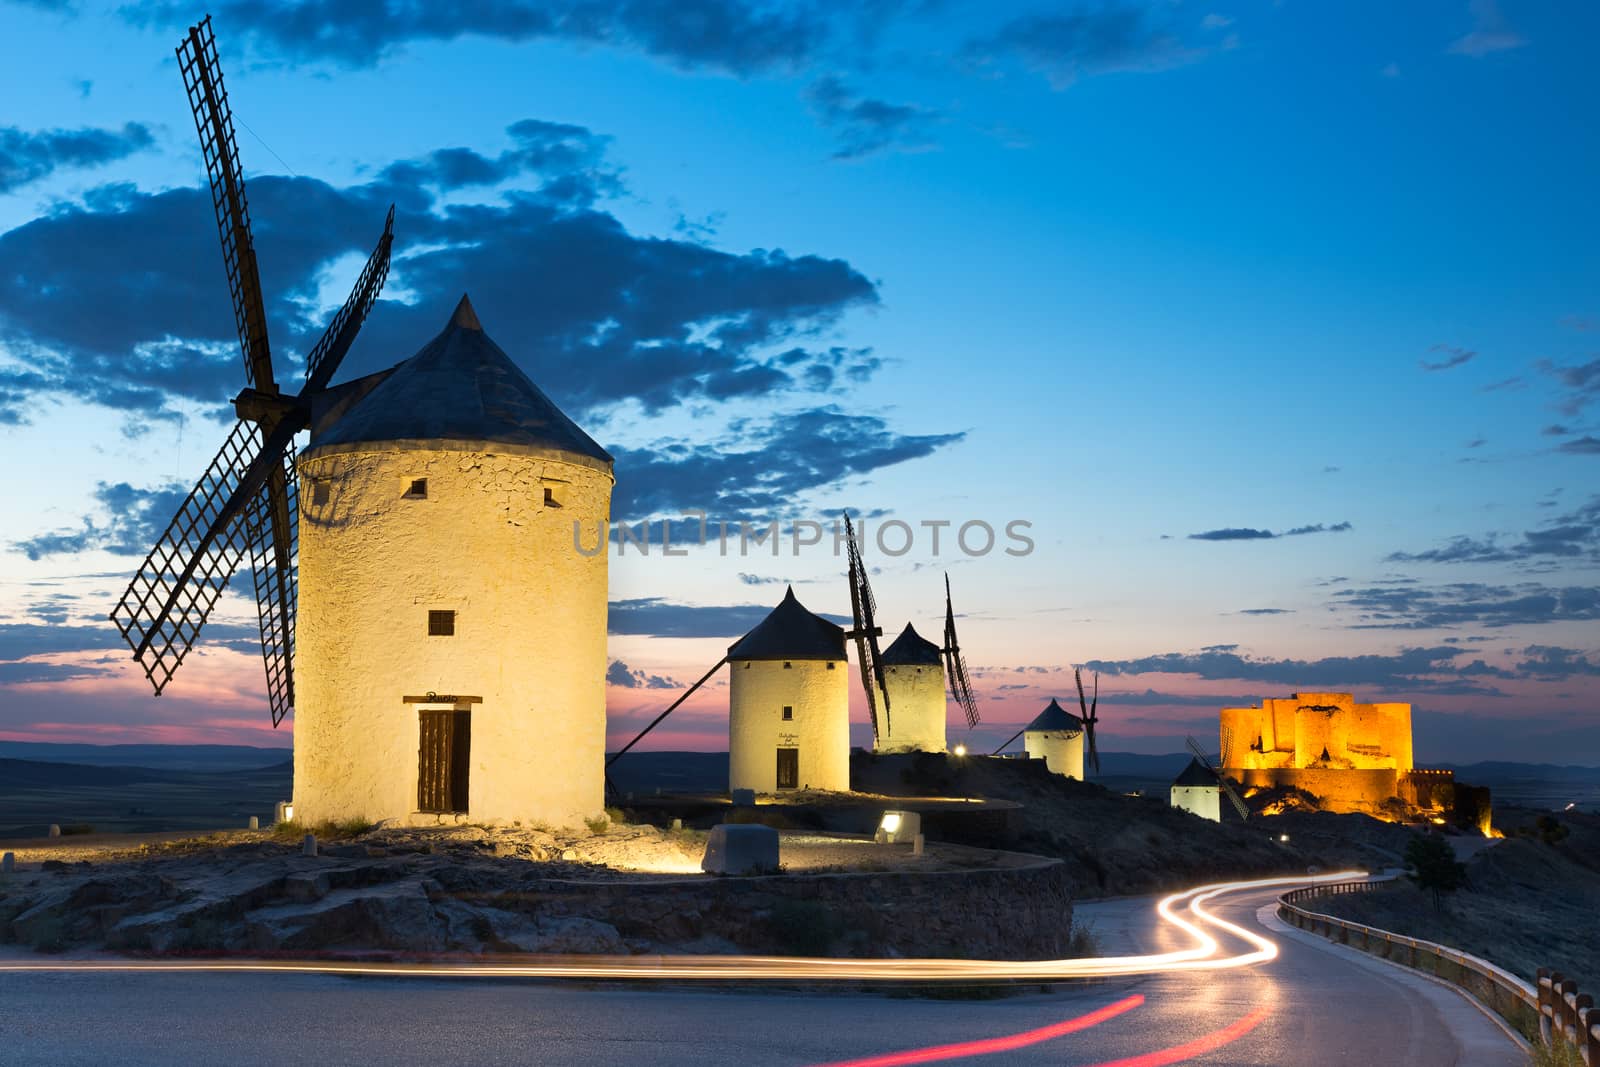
(1062, 752)
(916, 709)
(758, 692)
(1204, 801)
(530, 636)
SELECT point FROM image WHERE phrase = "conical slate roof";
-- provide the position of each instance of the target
(911, 649)
(1056, 719)
(1195, 774)
(461, 391)
(791, 632)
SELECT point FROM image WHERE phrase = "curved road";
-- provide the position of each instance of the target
(1314, 1004)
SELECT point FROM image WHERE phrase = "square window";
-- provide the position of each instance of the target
(417, 490)
(320, 491)
(830, 664)
(552, 498)
(788, 713)
(787, 665)
(441, 624)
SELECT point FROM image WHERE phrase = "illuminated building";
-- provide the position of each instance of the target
(1056, 736)
(452, 638)
(913, 674)
(789, 704)
(1196, 790)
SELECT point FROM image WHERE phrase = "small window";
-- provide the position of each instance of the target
(417, 490)
(787, 665)
(788, 713)
(552, 499)
(830, 664)
(319, 491)
(441, 624)
(747, 665)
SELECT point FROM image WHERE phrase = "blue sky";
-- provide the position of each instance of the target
(1128, 272)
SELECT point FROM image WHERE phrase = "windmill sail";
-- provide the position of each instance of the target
(863, 610)
(1090, 716)
(955, 664)
(1222, 780)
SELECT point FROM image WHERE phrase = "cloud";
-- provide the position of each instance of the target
(27, 157)
(657, 617)
(131, 519)
(1588, 445)
(1554, 662)
(1266, 611)
(1573, 535)
(1113, 38)
(619, 674)
(1555, 429)
(1434, 670)
(1468, 603)
(1454, 357)
(865, 125)
(1582, 381)
(738, 37)
(572, 156)
(762, 465)
(1490, 32)
(1247, 533)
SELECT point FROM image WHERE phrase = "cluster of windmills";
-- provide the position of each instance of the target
(451, 641)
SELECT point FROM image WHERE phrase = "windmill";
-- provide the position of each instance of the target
(955, 664)
(1222, 781)
(863, 609)
(245, 504)
(1089, 715)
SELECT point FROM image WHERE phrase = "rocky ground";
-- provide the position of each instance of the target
(1530, 901)
(438, 890)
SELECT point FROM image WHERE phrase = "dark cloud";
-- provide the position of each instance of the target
(1574, 535)
(596, 314)
(1266, 611)
(1453, 357)
(1581, 446)
(657, 617)
(1555, 429)
(1155, 698)
(741, 37)
(129, 522)
(27, 156)
(1490, 32)
(1468, 603)
(1433, 670)
(864, 125)
(763, 465)
(620, 674)
(1114, 37)
(1247, 533)
(1582, 382)
(1553, 662)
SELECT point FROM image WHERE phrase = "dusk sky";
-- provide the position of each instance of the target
(1279, 323)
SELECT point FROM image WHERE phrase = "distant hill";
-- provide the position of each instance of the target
(164, 757)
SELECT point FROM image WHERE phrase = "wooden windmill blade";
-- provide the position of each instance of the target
(213, 121)
(1222, 781)
(863, 611)
(274, 551)
(955, 664)
(1090, 716)
(336, 340)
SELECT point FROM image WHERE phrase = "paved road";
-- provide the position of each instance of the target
(1324, 1005)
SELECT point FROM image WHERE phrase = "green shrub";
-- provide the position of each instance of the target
(598, 825)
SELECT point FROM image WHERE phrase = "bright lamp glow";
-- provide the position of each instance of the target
(961, 750)
(288, 813)
(890, 823)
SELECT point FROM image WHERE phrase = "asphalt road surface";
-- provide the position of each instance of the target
(1315, 1004)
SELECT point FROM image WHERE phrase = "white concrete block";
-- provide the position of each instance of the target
(741, 848)
(55, 830)
(899, 827)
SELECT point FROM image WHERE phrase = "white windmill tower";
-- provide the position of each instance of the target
(1057, 736)
(915, 672)
(452, 653)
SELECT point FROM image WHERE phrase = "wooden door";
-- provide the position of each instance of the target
(788, 768)
(443, 758)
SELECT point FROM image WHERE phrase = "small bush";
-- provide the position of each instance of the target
(327, 830)
(598, 825)
(1560, 1054)
(1083, 943)
(804, 927)
(617, 816)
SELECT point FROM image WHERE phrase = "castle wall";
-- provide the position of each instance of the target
(1062, 752)
(529, 638)
(916, 709)
(1338, 788)
(819, 693)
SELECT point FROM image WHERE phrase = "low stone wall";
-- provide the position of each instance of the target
(1019, 912)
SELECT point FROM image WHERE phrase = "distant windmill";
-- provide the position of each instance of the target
(245, 504)
(1059, 737)
(1089, 716)
(1222, 780)
(787, 695)
(955, 664)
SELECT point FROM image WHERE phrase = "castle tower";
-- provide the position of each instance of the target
(452, 639)
(789, 704)
(1056, 736)
(913, 674)
(1196, 790)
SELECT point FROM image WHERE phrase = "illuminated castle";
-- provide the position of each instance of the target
(789, 704)
(451, 639)
(1352, 757)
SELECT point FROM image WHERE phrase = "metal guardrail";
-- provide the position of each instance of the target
(1540, 1013)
